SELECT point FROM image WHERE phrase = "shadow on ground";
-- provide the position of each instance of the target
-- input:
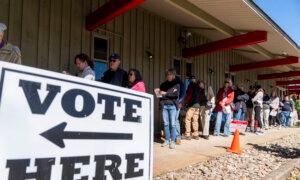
(278, 150)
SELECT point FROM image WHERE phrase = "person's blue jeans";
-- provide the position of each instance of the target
(227, 118)
(178, 133)
(239, 115)
(169, 113)
(285, 118)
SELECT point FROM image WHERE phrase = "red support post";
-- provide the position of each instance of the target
(278, 75)
(226, 44)
(108, 11)
(264, 64)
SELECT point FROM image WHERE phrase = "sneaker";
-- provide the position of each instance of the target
(165, 144)
(172, 145)
(178, 141)
(259, 133)
(206, 137)
(186, 137)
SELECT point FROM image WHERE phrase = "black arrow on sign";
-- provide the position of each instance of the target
(57, 135)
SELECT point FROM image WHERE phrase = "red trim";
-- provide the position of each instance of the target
(226, 44)
(294, 91)
(264, 64)
(108, 11)
(278, 75)
(293, 88)
(286, 83)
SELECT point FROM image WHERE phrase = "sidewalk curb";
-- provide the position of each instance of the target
(284, 171)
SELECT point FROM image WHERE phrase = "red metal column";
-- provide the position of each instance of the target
(278, 75)
(225, 44)
(264, 64)
(108, 11)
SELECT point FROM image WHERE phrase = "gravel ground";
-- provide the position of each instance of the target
(256, 162)
(295, 174)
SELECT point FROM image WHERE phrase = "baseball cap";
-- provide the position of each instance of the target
(114, 56)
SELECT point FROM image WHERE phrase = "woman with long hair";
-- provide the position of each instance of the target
(135, 80)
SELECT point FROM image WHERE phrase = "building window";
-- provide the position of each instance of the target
(188, 69)
(100, 48)
(100, 54)
(177, 66)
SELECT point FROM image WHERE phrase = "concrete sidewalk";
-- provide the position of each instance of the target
(194, 151)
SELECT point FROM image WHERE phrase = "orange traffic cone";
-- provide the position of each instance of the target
(235, 145)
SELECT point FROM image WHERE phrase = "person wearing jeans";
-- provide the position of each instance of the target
(169, 113)
(240, 99)
(169, 91)
(180, 101)
(287, 108)
(224, 99)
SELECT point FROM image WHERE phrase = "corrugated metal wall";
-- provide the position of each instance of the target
(51, 32)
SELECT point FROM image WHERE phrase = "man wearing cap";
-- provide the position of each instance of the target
(115, 75)
(8, 52)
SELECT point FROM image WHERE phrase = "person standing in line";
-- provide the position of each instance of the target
(287, 109)
(115, 75)
(249, 104)
(210, 105)
(169, 92)
(240, 99)
(257, 101)
(266, 110)
(135, 81)
(192, 101)
(85, 66)
(225, 97)
(8, 52)
(274, 105)
(180, 102)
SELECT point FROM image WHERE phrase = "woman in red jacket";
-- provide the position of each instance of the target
(224, 99)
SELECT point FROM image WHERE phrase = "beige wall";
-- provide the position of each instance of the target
(51, 33)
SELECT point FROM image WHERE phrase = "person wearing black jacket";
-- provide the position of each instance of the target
(192, 101)
(115, 75)
(286, 110)
(240, 99)
(169, 90)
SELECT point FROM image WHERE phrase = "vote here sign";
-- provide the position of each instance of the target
(55, 126)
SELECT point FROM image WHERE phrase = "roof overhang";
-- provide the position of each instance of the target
(220, 19)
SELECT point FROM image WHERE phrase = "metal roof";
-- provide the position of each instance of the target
(218, 19)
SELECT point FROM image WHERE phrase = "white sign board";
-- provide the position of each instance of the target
(55, 126)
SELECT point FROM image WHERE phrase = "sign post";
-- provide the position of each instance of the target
(55, 126)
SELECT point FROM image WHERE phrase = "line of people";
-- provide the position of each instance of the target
(114, 75)
(215, 114)
(255, 106)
